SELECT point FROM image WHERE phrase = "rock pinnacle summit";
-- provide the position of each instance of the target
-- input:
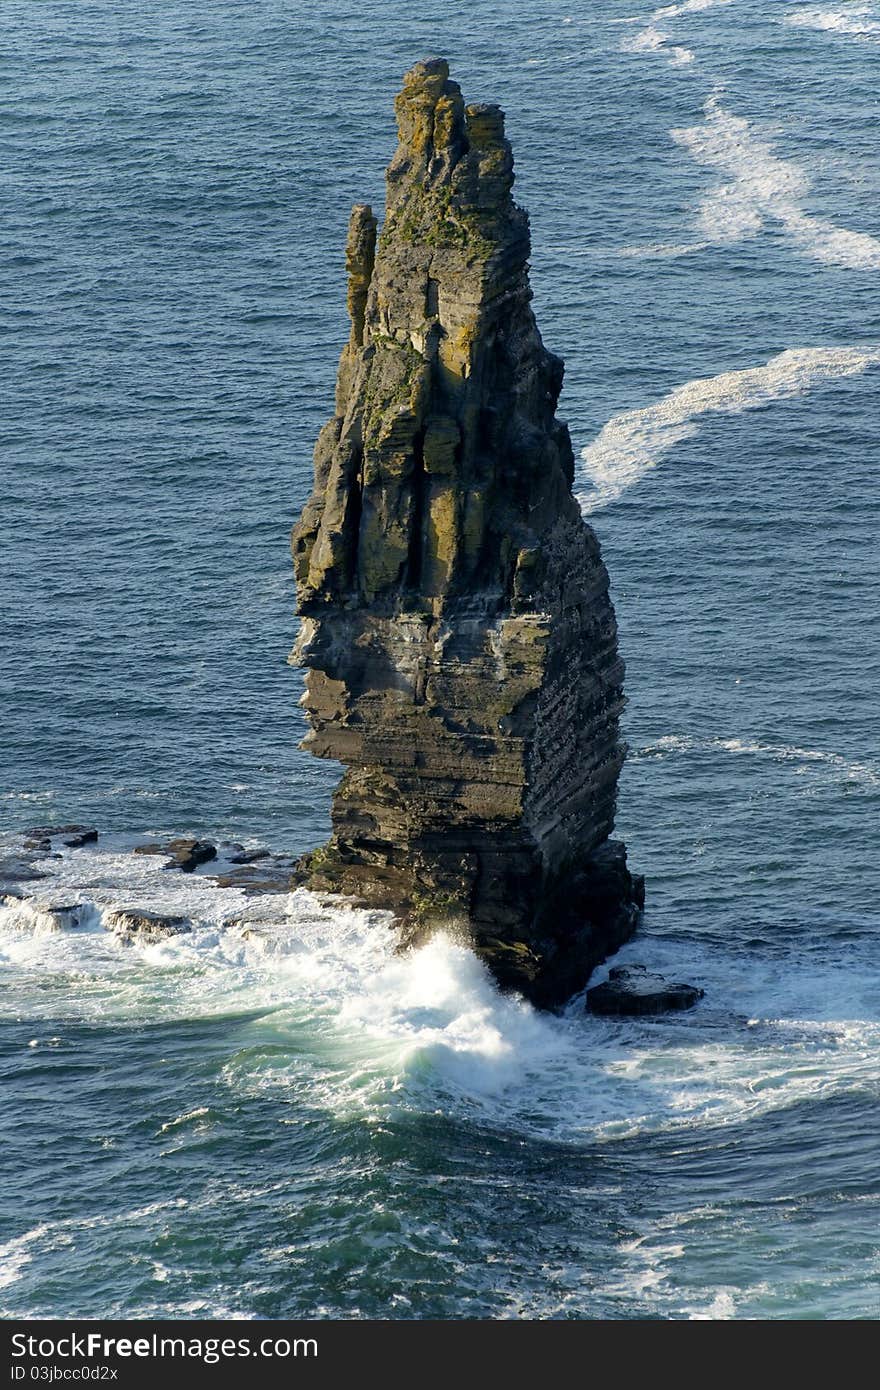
(458, 635)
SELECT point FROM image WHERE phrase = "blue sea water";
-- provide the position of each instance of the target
(295, 1122)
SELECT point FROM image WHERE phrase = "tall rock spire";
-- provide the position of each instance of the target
(460, 642)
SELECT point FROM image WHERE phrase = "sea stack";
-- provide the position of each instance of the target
(458, 635)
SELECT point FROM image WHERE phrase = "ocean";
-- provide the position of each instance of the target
(295, 1122)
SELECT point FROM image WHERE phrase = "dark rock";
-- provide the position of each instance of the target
(457, 630)
(271, 874)
(19, 870)
(40, 837)
(253, 886)
(189, 854)
(182, 853)
(631, 989)
(85, 837)
(252, 881)
(133, 924)
(248, 856)
(46, 832)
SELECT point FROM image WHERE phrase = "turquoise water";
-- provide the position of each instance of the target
(296, 1123)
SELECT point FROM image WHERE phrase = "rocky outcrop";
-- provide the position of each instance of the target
(632, 990)
(43, 837)
(257, 874)
(459, 640)
(185, 854)
(19, 868)
(240, 855)
(134, 924)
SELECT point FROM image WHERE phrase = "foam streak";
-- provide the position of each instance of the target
(761, 188)
(634, 442)
(654, 40)
(856, 20)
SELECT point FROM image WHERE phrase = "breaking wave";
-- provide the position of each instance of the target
(340, 1020)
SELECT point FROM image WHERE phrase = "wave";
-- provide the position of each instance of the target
(854, 20)
(51, 1235)
(688, 7)
(340, 1020)
(633, 442)
(762, 189)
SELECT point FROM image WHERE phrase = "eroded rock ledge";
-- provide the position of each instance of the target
(460, 641)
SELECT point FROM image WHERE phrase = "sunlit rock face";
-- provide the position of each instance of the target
(459, 639)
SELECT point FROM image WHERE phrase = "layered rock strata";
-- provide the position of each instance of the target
(459, 640)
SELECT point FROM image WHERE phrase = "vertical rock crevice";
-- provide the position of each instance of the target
(458, 635)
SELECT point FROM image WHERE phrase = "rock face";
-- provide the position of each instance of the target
(460, 642)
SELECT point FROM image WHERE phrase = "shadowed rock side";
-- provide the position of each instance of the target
(460, 642)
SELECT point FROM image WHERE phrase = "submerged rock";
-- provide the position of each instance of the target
(247, 856)
(458, 635)
(19, 869)
(68, 916)
(81, 838)
(134, 924)
(48, 832)
(40, 838)
(265, 873)
(632, 989)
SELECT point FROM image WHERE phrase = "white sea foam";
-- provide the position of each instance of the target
(651, 39)
(856, 20)
(688, 7)
(762, 189)
(52, 1235)
(337, 1018)
(633, 442)
(863, 772)
(646, 41)
(15, 1254)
